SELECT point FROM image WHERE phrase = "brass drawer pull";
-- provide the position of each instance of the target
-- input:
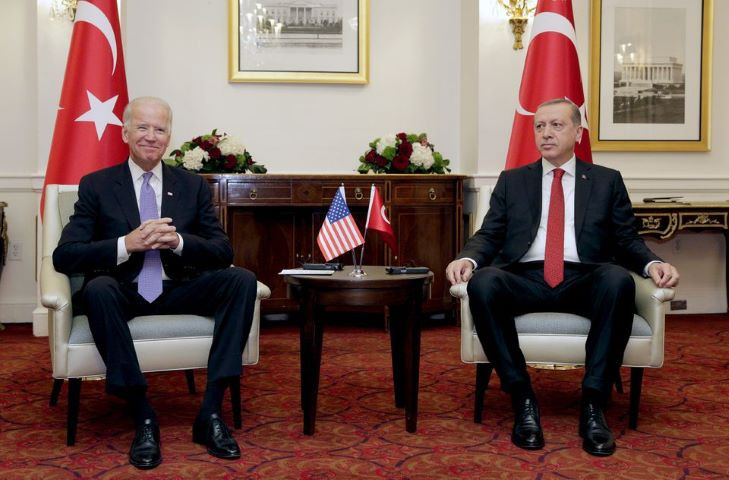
(431, 194)
(358, 194)
(254, 194)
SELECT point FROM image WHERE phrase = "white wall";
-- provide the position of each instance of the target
(414, 84)
(18, 136)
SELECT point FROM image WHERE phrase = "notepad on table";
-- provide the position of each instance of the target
(301, 271)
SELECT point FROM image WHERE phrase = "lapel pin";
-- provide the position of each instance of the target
(584, 177)
(170, 193)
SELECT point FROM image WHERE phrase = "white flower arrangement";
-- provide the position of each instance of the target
(193, 159)
(422, 156)
(386, 141)
(402, 153)
(230, 145)
(214, 153)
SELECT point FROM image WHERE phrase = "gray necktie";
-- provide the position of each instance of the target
(150, 277)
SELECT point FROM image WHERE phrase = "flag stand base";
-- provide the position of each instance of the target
(357, 272)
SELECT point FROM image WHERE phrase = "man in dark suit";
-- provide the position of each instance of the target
(559, 236)
(147, 240)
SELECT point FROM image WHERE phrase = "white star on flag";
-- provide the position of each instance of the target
(100, 113)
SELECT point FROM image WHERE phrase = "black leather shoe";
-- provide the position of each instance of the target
(597, 439)
(144, 452)
(527, 432)
(213, 433)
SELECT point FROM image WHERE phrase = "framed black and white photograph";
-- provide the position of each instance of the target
(299, 41)
(650, 75)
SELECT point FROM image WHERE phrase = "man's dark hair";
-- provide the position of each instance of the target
(576, 115)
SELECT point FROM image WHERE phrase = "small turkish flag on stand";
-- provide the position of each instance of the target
(87, 135)
(376, 220)
(551, 70)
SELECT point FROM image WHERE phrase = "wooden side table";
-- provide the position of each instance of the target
(666, 220)
(404, 294)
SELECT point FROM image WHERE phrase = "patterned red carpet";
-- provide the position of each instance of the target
(683, 429)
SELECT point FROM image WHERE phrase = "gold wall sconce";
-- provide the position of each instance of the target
(518, 12)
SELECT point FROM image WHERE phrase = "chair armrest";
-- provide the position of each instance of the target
(459, 290)
(649, 298)
(262, 291)
(55, 287)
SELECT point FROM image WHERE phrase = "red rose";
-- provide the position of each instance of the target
(379, 160)
(402, 136)
(197, 140)
(370, 156)
(214, 152)
(405, 149)
(230, 162)
(400, 163)
(205, 145)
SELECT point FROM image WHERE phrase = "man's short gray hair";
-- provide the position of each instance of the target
(127, 115)
(576, 115)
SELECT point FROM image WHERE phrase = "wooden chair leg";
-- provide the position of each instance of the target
(74, 396)
(636, 384)
(235, 400)
(190, 376)
(483, 374)
(619, 383)
(55, 391)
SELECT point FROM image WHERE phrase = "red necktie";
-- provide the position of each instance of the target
(554, 249)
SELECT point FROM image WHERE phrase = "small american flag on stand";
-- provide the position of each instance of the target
(339, 233)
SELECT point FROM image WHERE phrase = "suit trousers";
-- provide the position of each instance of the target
(228, 295)
(605, 294)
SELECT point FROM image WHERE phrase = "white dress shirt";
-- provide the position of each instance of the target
(536, 251)
(122, 255)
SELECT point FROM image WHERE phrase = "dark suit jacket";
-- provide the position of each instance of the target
(604, 222)
(107, 209)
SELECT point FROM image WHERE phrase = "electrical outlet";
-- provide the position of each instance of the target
(15, 251)
(678, 305)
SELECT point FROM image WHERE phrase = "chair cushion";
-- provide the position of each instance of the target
(150, 327)
(551, 323)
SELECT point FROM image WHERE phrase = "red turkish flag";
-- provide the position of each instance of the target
(551, 70)
(377, 220)
(87, 135)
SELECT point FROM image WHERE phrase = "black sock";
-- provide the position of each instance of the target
(590, 395)
(141, 409)
(213, 398)
(520, 391)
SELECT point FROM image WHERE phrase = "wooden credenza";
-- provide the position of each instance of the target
(273, 221)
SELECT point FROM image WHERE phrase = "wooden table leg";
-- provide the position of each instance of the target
(397, 333)
(411, 353)
(311, 346)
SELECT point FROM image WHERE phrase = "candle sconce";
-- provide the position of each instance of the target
(518, 12)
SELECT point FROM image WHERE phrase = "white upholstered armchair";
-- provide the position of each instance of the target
(549, 338)
(162, 342)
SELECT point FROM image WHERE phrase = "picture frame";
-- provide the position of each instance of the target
(650, 75)
(298, 41)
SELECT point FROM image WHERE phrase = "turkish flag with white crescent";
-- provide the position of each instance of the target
(377, 220)
(87, 135)
(551, 70)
